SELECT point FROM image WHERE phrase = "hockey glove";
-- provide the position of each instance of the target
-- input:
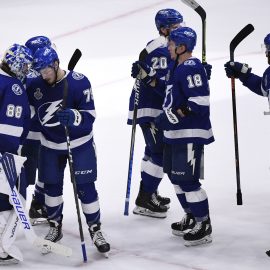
(237, 70)
(166, 119)
(208, 70)
(147, 75)
(69, 117)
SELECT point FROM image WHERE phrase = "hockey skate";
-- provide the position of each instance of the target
(99, 240)
(6, 259)
(200, 234)
(37, 213)
(54, 235)
(163, 200)
(185, 225)
(148, 205)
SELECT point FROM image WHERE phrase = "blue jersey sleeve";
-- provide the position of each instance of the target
(14, 114)
(84, 102)
(258, 85)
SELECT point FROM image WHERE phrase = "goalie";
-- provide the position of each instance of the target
(14, 121)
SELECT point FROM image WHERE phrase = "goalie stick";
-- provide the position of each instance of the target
(194, 5)
(136, 88)
(11, 172)
(234, 43)
(71, 65)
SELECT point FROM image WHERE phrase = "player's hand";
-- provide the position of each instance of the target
(208, 70)
(69, 117)
(147, 73)
(237, 70)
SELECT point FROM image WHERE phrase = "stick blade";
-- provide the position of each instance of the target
(74, 59)
(197, 7)
(249, 28)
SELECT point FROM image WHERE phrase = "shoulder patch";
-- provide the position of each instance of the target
(77, 76)
(17, 89)
(189, 62)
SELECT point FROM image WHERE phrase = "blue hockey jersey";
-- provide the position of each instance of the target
(187, 86)
(46, 100)
(14, 113)
(151, 98)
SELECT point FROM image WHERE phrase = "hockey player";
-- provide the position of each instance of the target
(148, 201)
(77, 112)
(14, 123)
(187, 128)
(154, 69)
(257, 84)
(30, 149)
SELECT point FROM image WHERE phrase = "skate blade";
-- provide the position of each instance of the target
(180, 233)
(9, 262)
(38, 221)
(146, 212)
(206, 240)
(106, 255)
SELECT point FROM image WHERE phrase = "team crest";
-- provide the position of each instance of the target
(17, 89)
(37, 94)
(77, 76)
(189, 63)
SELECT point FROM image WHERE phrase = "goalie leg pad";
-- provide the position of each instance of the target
(9, 224)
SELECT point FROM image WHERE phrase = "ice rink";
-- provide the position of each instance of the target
(110, 34)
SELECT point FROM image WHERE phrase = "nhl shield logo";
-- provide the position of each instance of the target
(37, 94)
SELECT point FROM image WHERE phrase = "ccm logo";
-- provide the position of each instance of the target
(83, 172)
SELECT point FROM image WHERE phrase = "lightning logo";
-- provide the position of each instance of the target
(46, 113)
(153, 131)
(190, 156)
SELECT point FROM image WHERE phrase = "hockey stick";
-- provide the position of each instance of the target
(234, 43)
(194, 5)
(136, 88)
(74, 59)
(11, 172)
(71, 65)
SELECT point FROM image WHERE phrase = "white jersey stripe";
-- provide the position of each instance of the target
(188, 133)
(11, 130)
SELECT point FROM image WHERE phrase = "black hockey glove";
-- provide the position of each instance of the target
(237, 70)
(147, 75)
(208, 70)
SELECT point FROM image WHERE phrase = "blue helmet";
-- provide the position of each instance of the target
(19, 60)
(184, 36)
(44, 57)
(37, 42)
(167, 17)
(267, 43)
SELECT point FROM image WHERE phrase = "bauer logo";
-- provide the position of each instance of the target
(77, 76)
(19, 209)
(178, 173)
(17, 89)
